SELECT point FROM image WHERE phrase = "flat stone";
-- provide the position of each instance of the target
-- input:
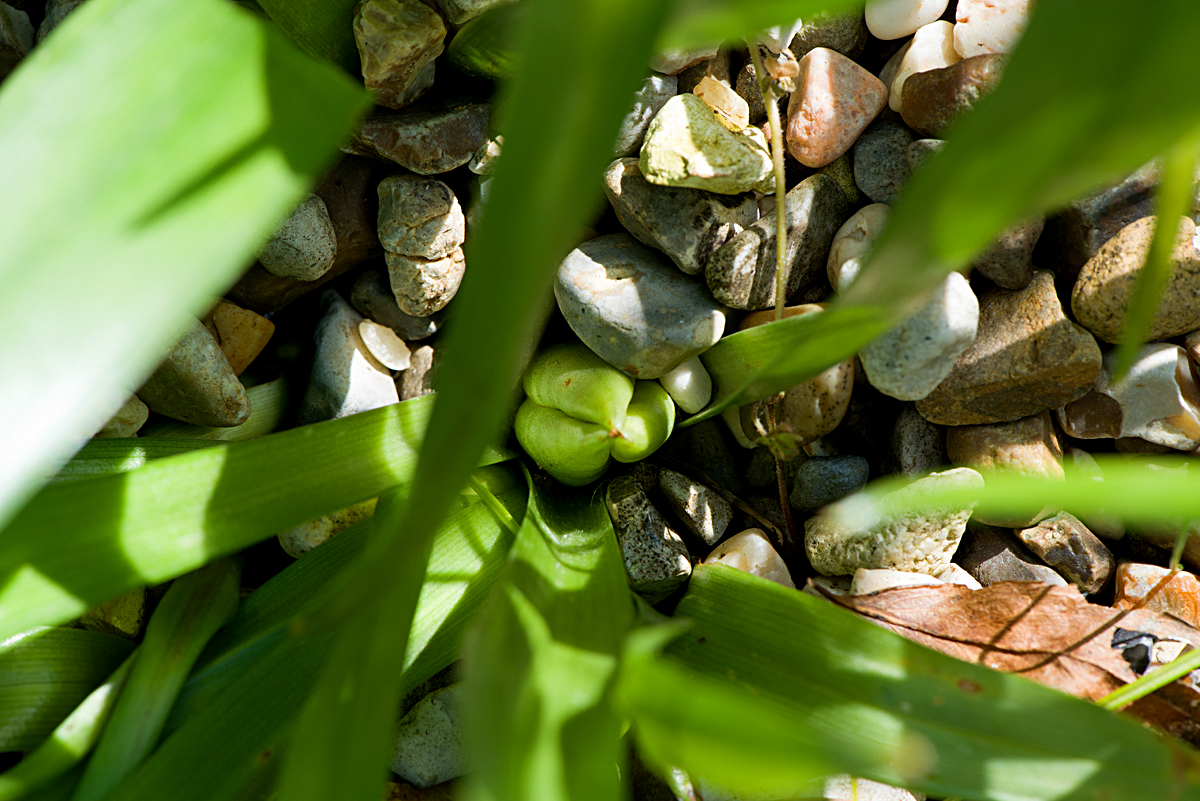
(421, 376)
(824, 479)
(852, 242)
(843, 31)
(419, 217)
(919, 151)
(633, 308)
(673, 62)
(382, 343)
(894, 19)
(702, 510)
(1027, 357)
(881, 160)
(304, 246)
(954, 574)
(993, 555)
(689, 385)
(301, 539)
(909, 361)
(867, 582)
(656, 560)
(16, 38)
(1028, 446)
(688, 225)
(932, 100)
(425, 141)
(1105, 285)
(372, 295)
(1158, 400)
(917, 446)
(429, 740)
(1008, 262)
(132, 415)
(345, 377)
(989, 26)
(741, 273)
(751, 552)
(194, 383)
(732, 110)
(56, 12)
(932, 49)
(654, 93)
(425, 286)
(1179, 598)
(240, 333)
(686, 145)
(397, 41)
(834, 101)
(1066, 544)
(918, 542)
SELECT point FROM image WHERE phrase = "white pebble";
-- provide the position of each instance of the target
(989, 26)
(932, 49)
(384, 345)
(689, 385)
(893, 19)
(751, 552)
(852, 242)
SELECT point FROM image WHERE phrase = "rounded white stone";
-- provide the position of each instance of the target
(989, 26)
(852, 242)
(932, 49)
(384, 345)
(892, 19)
(751, 552)
(689, 385)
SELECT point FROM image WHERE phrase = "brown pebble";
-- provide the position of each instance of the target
(934, 99)
(240, 333)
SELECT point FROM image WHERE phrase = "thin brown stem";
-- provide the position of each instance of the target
(767, 88)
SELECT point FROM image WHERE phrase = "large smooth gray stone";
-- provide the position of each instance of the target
(633, 308)
(688, 225)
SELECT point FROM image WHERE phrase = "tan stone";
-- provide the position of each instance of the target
(1180, 597)
(132, 415)
(1029, 446)
(730, 108)
(397, 42)
(835, 99)
(1066, 544)
(240, 333)
(1027, 357)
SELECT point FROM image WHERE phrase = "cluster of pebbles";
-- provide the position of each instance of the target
(1008, 366)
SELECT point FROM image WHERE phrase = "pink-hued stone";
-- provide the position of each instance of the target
(835, 99)
(1180, 597)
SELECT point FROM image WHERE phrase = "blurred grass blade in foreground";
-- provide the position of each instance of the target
(149, 149)
(695, 23)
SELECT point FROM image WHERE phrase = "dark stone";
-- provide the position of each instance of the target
(881, 160)
(934, 99)
(993, 555)
(824, 479)
(845, 32)
(428, 142)
(373, 297)
(1009, 260)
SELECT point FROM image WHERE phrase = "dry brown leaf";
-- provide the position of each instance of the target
(1048, 634)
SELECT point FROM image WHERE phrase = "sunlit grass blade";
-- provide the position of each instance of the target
(68, 743)
(268, 403)
(700, 22)
(82, 542)
(1150, 682)
(1173, 200)
(795, 681)
(120, 157)
(322, 28)
(194, 607)
(102, 457)
(540, 665)
(44, 674)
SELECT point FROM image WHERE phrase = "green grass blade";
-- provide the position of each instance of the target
(268, 404)
(118, 157)
(1150, 682)
(189, 614)
(1173, 199)
(540, 664)
(102, 457)
(700, 22)
(68, 743)
(768, 683)
(322, 28)
(44, 674)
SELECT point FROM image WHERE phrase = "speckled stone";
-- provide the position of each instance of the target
(917, 446)
(240, 333)
(16, 38)
(916, 542)
(673, 62)
(656, 560)
(852, 242)
(989, 26)
(301, 539)
(843, 31)
(822, 480)
(419, 217)
(741, 274)
(372, 295)
(688, 225)
(56, 12)
(687, 145)
(654, 93)
(1066, 545)
(304, 246)
(881, 161)
(993, 555)
(841, 170)
(429, 740)
(132, 415)
(1027, 357)
(920, 150)
(894, 19)
(751, 552)
(421, 376)
(1008, 262)
(194, 383)
(397, 42)
(702, 510)
(1180, 597)
(425, 286)
(848, 788)
(345, 377)
(932, 48)
(633, 308)
(427, 142)
(1106, 283)
(910, 360)
(834, 101)
(705, 446)
(934, 99)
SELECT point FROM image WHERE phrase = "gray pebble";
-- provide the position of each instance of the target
(656, 560)
(701, 509)
(459, 11)
(372, 295)
(746, 85)
(993, 555)
(919, 151)
(1009, 260)
(429, 740)
(825, 479)
(881, 160)
(421, 376)
(304, 246)
(56, 12)
(654, 93)
(845, 32)
(741, 273)
(346, 378)
(704, 446)
(918, 446)
(633, 308)
(195, 383)
(419, 217)
(1066, 544)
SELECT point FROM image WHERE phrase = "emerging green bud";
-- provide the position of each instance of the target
(580, 410)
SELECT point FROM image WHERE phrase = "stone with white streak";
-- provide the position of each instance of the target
(346, 378)
(932, 49)
(701, 509)
(894, 19)
(751, 552)
(989, 26)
